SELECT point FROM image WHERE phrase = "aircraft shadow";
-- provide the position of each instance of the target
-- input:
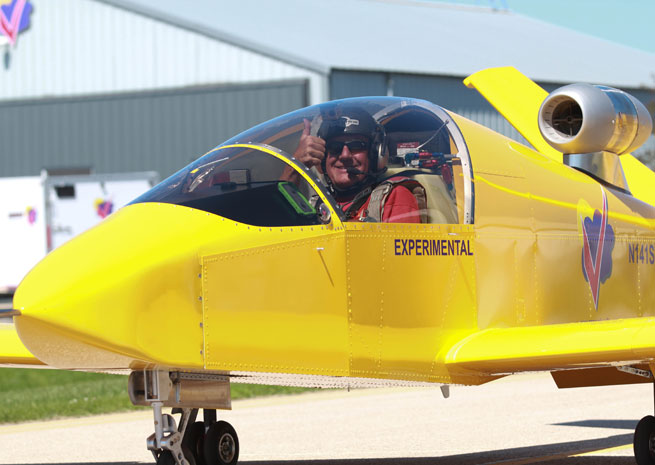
(615, 424)
(523, 455)
(552, 454)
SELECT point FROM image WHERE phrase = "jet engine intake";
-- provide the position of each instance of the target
(585, 118)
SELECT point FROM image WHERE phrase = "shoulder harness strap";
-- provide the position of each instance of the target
(375, 210)
(357, 203)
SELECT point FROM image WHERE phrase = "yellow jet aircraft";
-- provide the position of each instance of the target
(242, 267)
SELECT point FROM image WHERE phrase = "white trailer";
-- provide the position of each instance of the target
(39, 213)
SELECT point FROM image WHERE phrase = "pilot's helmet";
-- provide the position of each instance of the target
(338, 120)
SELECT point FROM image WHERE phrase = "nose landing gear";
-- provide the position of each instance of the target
(193, 443)
(221, 444)
(209, 442)
(166, 443)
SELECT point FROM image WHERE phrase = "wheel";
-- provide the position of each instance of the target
(194, 440)
(644, 441)
(221, 444)
(166, 457)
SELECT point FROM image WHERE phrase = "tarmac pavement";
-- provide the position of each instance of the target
(514, 421)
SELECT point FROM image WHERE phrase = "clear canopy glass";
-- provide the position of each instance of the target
(249, 178)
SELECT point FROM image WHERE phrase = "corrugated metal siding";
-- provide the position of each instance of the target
(646, 153)
(77, 47)
(452, 94)
(448, 92)
(344, 84)
(160, 131)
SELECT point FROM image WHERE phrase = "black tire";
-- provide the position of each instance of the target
(194, 440)
(221, 444)
(644, 441)
(166, 457)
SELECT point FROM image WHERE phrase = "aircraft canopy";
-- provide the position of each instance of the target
(254, 177)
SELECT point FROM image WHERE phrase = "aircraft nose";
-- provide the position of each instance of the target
(129, 286)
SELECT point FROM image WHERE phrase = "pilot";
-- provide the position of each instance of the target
(349, 149)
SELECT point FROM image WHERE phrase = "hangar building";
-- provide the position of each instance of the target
(133, 85)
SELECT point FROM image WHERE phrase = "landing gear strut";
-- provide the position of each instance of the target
(166, 443)
(209, 442)
(191, 443)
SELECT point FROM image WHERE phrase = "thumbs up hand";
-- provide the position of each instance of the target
(311, 149)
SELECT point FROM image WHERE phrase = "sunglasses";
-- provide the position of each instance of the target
(336, 147)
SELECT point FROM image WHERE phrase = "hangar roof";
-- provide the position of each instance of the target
(408, 36)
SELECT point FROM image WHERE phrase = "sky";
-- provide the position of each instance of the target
(628, 22)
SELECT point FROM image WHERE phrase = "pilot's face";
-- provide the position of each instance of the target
(343, 152)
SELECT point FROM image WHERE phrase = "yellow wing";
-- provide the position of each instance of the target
(518, 99)
(12, 350)
(551, 347)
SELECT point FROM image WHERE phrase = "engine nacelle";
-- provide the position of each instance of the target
(582, 118)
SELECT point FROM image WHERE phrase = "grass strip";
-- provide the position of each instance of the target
(30, 395)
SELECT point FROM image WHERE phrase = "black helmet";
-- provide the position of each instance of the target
(338, 120)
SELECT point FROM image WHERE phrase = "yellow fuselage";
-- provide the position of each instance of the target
(170, 286)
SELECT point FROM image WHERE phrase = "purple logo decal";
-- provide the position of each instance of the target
(31, 215)
(597, 247)
(104, 207)
(14, 18)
